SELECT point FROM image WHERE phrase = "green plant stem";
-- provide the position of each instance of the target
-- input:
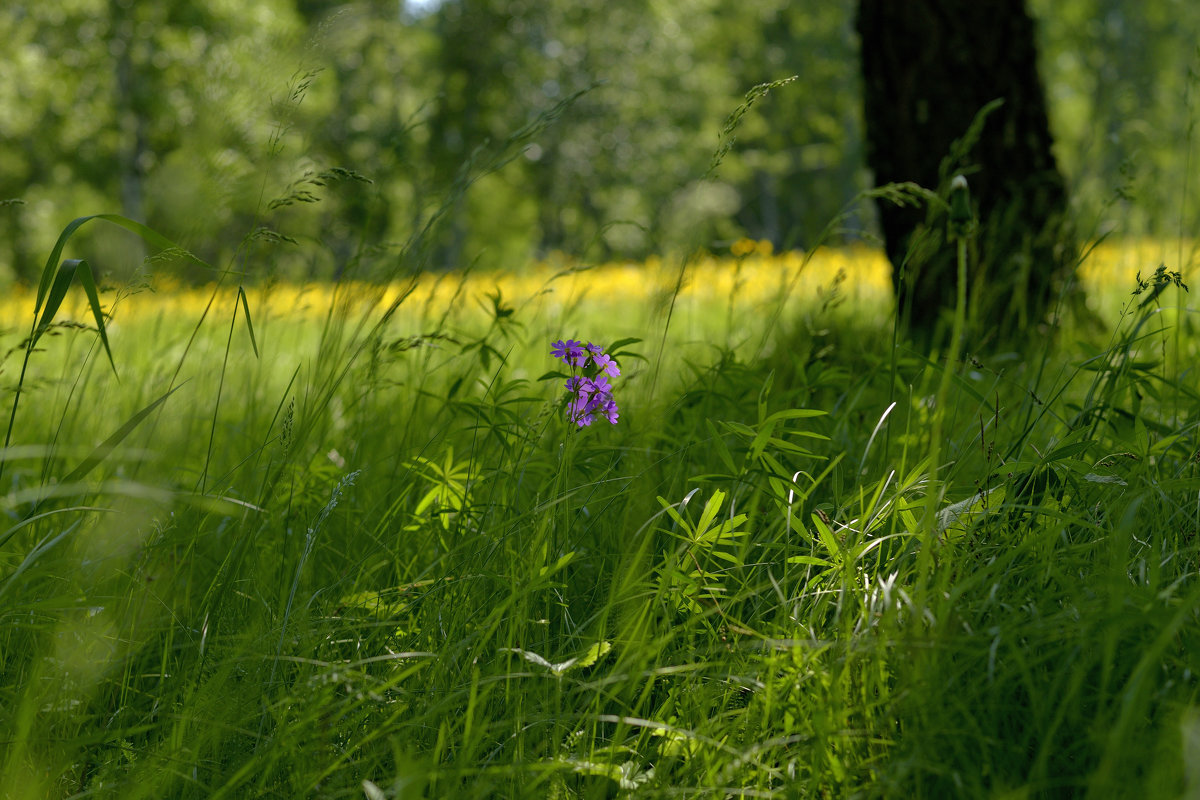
(937, 481)
(12, 417)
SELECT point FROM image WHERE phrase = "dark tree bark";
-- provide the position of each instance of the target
(929, 68)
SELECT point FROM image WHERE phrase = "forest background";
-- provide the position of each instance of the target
(585, 128)
(278, 535)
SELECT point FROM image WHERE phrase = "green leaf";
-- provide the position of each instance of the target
(29, 520)
(711, 509)
(773, 464)
(621, 343)
(722, 449)
(50, 270)
(1068, 450)
(813, 560)
(726, 530)
(593, 654)
(675, 515)
(796, 413)
(763, 394)
(108, 445)
(89, 287)
(249, 322)
(827, 538)
(54, 298)
(547, 570)
(760, 439)
(739, 427)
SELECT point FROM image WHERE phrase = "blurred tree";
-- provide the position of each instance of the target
(930, 67)
(798, 157)
(152, 109)
(621, 165)
(1122, 80)
(367, 110)
(203, 112)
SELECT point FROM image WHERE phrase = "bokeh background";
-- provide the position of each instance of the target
(502, 133)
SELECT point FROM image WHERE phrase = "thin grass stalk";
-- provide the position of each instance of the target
(938, 485)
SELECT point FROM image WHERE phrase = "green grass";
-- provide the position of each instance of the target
(345, 560)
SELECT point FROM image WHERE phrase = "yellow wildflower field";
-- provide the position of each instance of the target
(751, 276)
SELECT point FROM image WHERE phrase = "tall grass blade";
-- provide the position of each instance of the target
(249, 321)
(105, 448)
(148, 234)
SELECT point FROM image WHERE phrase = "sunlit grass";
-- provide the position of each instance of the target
(367, 555)
(706, 283)
(705, 280)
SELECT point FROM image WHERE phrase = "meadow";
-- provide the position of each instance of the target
(343, 540)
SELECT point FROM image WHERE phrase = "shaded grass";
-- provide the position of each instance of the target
(373, 560)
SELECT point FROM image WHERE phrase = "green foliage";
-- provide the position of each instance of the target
(164, 112)
(368, 556)
(392, 566)
(1121, 84)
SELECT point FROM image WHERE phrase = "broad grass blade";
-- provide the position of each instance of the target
(106, 447)
(249, 322)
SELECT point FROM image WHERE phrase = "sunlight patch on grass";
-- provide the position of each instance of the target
(374, 551)
(753, 276)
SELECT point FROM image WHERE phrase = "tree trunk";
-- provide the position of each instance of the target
(929, 68)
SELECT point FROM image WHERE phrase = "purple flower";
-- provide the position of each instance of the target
(559, 349)
(580, 402)
(610, 410)
(590, 393)
(569, 351)
(604, 363)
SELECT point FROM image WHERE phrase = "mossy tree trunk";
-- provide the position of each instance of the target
(929, 68)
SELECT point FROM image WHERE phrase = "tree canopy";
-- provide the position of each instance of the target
(521, 128)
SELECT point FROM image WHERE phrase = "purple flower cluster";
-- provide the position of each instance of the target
(591, 392)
